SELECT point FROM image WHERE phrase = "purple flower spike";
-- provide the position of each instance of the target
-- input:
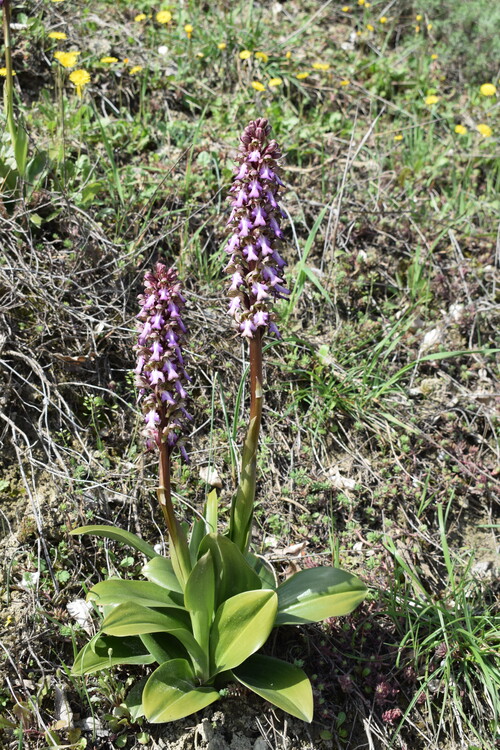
(255, 232)
(160, 372)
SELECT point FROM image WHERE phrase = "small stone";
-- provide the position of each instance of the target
(482, 569)
(260, 744)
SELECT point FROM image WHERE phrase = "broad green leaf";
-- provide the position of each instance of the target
(117, 591)
(161, 571)
(233, 574)
(211, 511)
(318, 593)
(278, 682)
(199, 597)
(133, 619)
(242, 625)
(264, 570)
(163, 647)
(133, 701)
(198, 531)
(125, 537)
(170, 693)
(104, 651)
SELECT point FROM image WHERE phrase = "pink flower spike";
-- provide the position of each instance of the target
(241, 172)
(259, 217)
(152, 419)
(260, 318)
(156, 376)
(245, 227)
(260, 291)
(236, 281)
(172, 373)
(255, 189)
(265, 247)
(254, 156)
(249, 253)
(234, 305)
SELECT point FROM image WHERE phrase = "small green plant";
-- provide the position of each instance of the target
(205, 611)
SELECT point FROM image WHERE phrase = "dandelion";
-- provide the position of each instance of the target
(57, 35)
(200, 54)
(383, 19)
(67, 59)
(258, 86)
(488, 89)
(301, 76)
(434, 57)
(222, 45)
(288, 55)
(398, 137)
(429, 27)
(109, 60)
(262, 56)
(346, 8)
(189, 30)
(255, 263)
(460, 129)
(3, 72)
(417, 29)
(431, 99)
(245, 54)
(321, 66)
(274, 82)
(140, 17)
(484, 129)
(164, 16)
(418, 17)
(370, 27)
(135, 69)
(79, 79)
(361, 2)
(345, 82)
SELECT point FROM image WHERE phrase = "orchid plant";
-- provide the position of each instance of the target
(203, 612)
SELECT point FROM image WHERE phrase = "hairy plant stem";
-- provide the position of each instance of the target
(178, 541)
(240, 530)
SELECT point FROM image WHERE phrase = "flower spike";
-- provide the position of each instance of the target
(160, 373)
(255, 262)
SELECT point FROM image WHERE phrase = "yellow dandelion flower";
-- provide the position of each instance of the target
(67, 59)
(57, 35)
(383, 19)
(418, 17)
(189, 30)
(488, 89)
(140, 17)
(417, 29)
(135, 69)
(434, 57)
(484, 129)
(200, 54)
(3, 72)
(321, 66)
(302, 75)
(460, 129)
(258, 86)
(370, 27)
(109, 60)
(164, 16)
(222, 45)
(429, 27)
(361, 2)
(79, 79)
(245, 54)
(272, 82)
(431, 99)
(262, 56)
(345, 82)
(57, 1)
(288, 55)
(358, 33)
(346, 8)
(398, 137)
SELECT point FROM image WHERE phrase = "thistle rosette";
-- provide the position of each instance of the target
(256, 235)
(160, 374)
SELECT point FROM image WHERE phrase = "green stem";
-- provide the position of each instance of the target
(9, 78)
(178, 541)
(240, 528)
